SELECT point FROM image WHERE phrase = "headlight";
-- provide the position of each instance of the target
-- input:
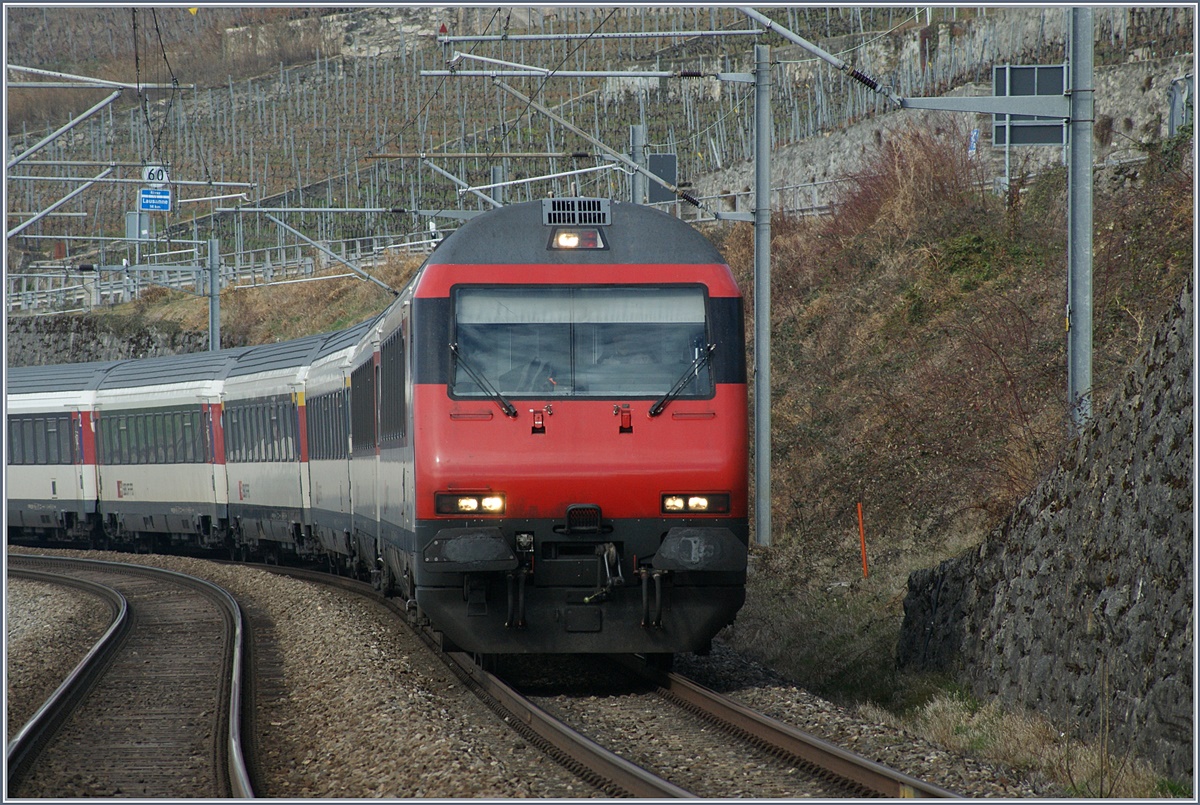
(577, 238)
(692, 503)
(470, 504)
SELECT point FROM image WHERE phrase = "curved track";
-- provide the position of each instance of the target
(859, 776)
(836, 772)
(154, 710)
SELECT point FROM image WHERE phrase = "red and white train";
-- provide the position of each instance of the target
(541, 444)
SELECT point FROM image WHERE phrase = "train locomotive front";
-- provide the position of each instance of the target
(579, 434)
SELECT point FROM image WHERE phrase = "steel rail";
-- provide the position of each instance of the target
(23, 749)
(872, 777)
(96, 662)
(629, 777)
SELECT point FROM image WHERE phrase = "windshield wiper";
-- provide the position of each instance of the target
(683, 380)
(500, 399)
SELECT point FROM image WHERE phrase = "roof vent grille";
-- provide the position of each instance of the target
(576, 212)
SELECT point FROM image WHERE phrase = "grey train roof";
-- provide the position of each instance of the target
(58, 377)
(345, 338)
(516, 234)
(283, 355)
(193, 367)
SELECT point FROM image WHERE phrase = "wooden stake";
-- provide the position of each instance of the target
(862, 535)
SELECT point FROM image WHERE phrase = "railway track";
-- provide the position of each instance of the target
(154, 709)
(785, 761)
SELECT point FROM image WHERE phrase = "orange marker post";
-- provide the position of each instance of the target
(862, 535)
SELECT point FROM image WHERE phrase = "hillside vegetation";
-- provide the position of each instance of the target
(919, 369)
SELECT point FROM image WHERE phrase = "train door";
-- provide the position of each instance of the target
(213, 424)
(86, 477)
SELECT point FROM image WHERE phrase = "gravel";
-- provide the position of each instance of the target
(360, 708)
(49, 629)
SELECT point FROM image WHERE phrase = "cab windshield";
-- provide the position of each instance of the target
(580, 341)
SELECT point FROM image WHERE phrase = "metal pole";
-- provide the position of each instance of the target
(637, 152)
(1079, 217)
(214, 295)
(762, 294)
(498, 184)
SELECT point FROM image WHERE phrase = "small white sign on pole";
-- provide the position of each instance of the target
(155, 175)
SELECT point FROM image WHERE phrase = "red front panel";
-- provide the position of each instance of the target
(437, 280)
(582, 456)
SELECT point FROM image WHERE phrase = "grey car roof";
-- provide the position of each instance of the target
(57, 377)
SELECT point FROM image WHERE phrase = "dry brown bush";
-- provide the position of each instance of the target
(918, 366)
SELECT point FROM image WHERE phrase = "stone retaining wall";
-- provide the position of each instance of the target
(41, 340)
(1080, 605)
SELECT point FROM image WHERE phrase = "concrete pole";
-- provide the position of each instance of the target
(637, 152)
(214, 295)
(762, 294)
(1079, 219)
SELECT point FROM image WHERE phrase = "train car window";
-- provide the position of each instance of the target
(16, 441)
(145, 436)
(245, 451)
(362, 404)
(279, 431)
(150, 446)
(246, 433)
(288, 421)
(16, 452)
(134, 432)
(52, 442)
(391, 404)
(70, 436)
(103, 445)
(270, 430)
(65, 434)
(312, 410)
(329, 409)
(612, 341)
(187, 435)
(230, 419)
(170, 437)
(266, 419)
(256, 434)
(253, 432)
(160, 441)
(329, 428)
(270, 419)
(342, 431)
(39, 440)
(316, 428)
(123, 439)
(293, 430)
(240, 439)
(131, 440)
(25, 435)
